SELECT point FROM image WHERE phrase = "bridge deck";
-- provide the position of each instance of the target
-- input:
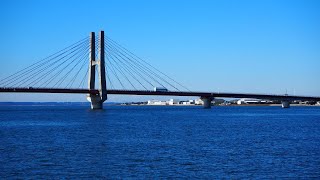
(157, 93)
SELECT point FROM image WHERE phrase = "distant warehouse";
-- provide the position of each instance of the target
(251, 101)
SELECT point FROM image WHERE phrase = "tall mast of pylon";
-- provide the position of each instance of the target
(92, 65)
(102, 74)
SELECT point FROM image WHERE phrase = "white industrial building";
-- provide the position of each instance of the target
(250, 101)
(156, 102)
(189, 102)
(173, 102)
(185, 102)
(198, 102)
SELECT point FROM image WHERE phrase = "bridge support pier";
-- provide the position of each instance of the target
(207, 102)
(285, 104)
(95, 101)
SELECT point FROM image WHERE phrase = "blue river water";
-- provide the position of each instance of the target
(149, 142)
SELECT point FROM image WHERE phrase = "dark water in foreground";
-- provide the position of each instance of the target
(159, 142)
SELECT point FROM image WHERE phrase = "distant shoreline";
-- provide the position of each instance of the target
(122, 104)
(244, 105)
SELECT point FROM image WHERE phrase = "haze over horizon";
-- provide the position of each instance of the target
(249, 46)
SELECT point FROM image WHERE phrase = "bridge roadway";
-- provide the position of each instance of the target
(158, 93)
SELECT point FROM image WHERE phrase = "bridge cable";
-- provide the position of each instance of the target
(132, 75)
(129, 67)
(123, 74)
(81, 67)
(54, 68)
(110, 82)
(36, 73)
(83, 79)
(108, 74)
(33, 74)
(133, 65)
(127, 70)
(60, 71)
(145, 69)
(49, 58)
(114, 73)
(27, 73)
(138, 58)
(67, 74)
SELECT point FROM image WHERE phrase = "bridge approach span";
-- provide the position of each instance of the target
(159, 93)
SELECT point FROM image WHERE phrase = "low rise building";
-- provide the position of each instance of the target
(173, 102)
(156, 102)
(251, 101)
(198, 102)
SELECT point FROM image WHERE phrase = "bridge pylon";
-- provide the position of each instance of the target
(97, 99)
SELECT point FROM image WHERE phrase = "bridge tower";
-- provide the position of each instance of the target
(97, 99)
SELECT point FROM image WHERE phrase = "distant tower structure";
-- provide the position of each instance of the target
(97, 99)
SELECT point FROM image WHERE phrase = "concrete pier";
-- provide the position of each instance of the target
(96, 102)
(285, 104)
(207, 102)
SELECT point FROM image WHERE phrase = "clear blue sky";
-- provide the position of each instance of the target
(261, 46)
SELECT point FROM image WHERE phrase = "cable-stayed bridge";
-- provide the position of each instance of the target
(98, 66)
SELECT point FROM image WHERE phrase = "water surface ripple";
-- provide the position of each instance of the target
(159, 142)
